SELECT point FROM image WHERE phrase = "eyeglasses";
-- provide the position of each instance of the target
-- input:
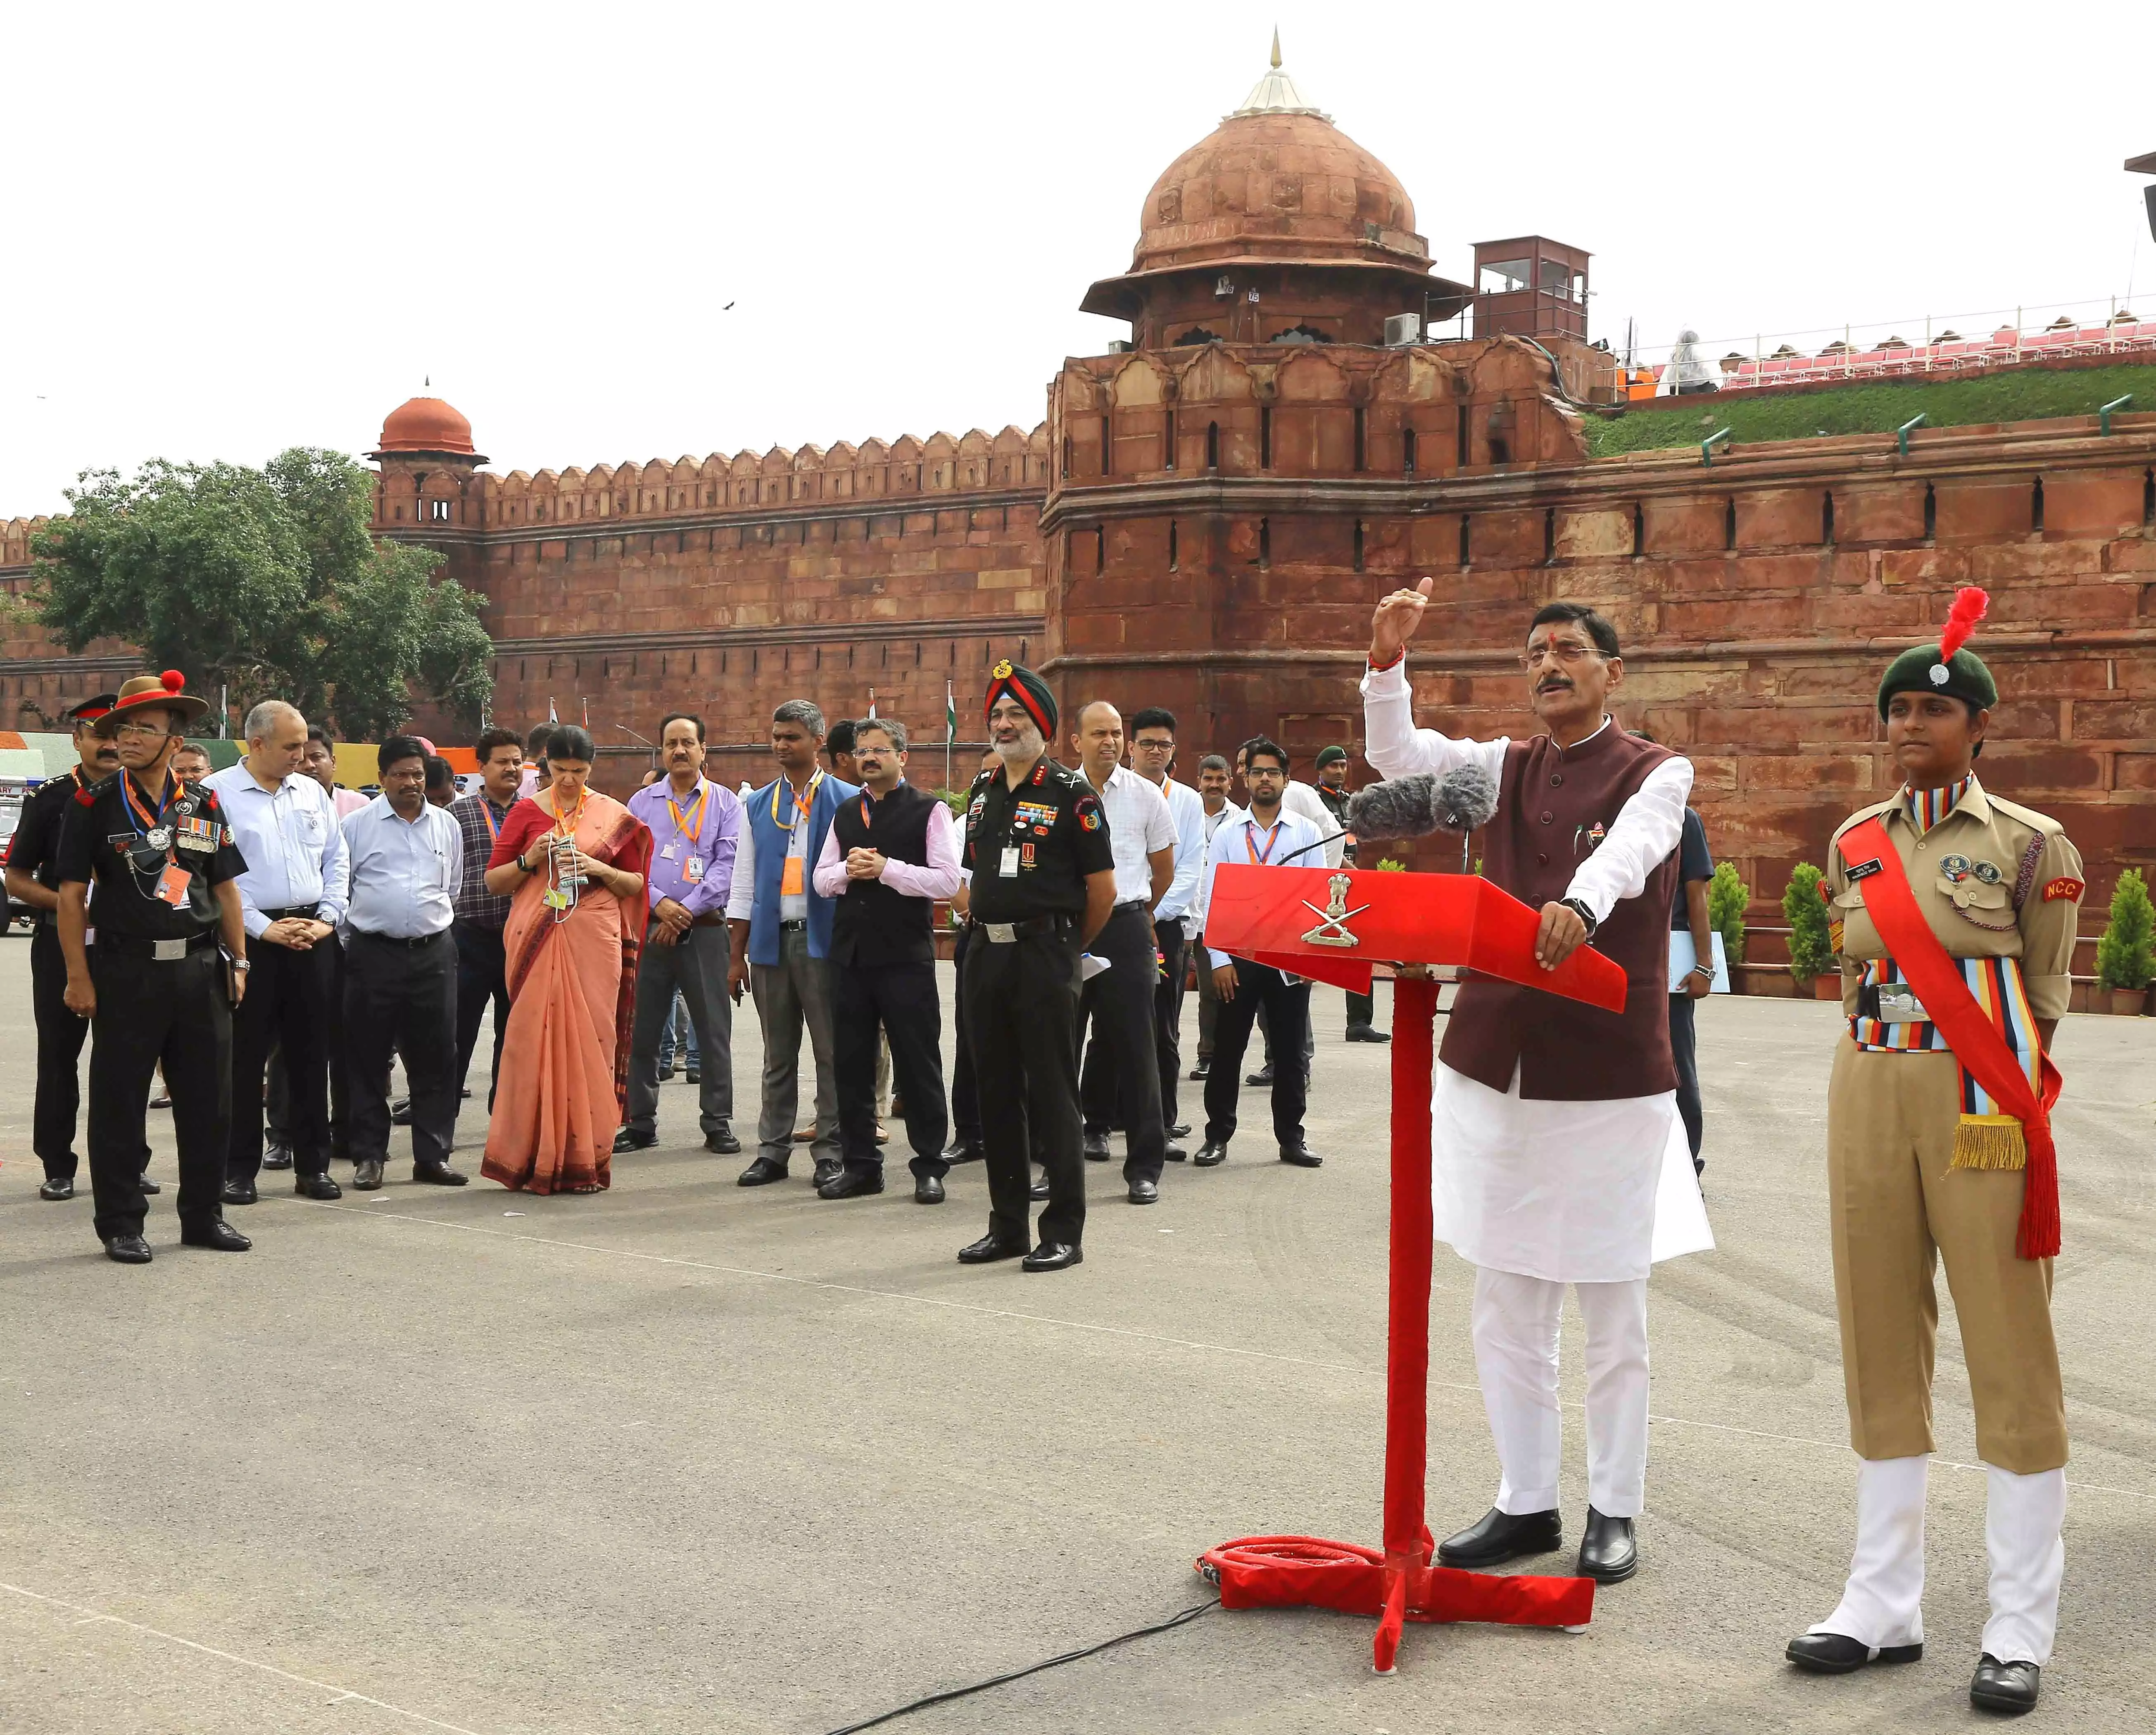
(1534, 656)
(1155, 746)
(154, 731)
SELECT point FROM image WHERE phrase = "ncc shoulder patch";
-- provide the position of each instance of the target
(2059, 889)
(1087, 808)
(1825, 892)
(86, 798)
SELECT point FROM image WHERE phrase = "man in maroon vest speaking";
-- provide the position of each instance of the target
(1559, 1155)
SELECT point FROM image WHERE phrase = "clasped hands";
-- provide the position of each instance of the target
(865, 864)
(298, 932)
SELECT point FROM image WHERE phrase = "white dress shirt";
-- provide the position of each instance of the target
(1138, 823)
(1304, 800)
(1229, 814)
(939, 878)
(1240, 838)
(405, 873)
(1186, 809)
(295, 855)
(741, 894)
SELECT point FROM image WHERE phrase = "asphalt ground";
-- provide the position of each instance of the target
(684, 1457)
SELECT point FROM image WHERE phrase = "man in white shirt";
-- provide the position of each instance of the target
(1152, 753)
(291, 899)
(1121, 1078)
(1304, 802)
(1267, 835)
(400, 976)
(1213, 785)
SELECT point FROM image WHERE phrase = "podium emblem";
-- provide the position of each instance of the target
(1331, 929)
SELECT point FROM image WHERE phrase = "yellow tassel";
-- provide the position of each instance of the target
(1990, 1142)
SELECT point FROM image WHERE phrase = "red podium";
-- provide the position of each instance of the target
(1331, 926)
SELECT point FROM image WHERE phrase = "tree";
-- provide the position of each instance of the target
(2126, 955)
(1727, 898)
(269, 582)
(1811, 948)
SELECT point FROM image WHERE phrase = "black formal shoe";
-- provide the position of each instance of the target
(163, 1099)
(59, 1187)
(693, 1076)
(762, 1173)
(2010, 1687)
(439, 1174)
(928, 1189)
(127, 1249)
(400, 1112)
(1301, 1155)
(666, 1072)
(277, 1157)
(322, 1186)
(217, 1235)
(1201, 1071)
(988, 1250)
(828, 1169)
(1181, 1129)
(1498, 1536)
(1832, 1654)
(851, 1183)
(723, 1142)
(1263, 1076)
(1210, 1154)
(629, 1139)
(963, 1150)
(1144, 1192)
(1609, 1553)
(1095, 1147)
(1363, 1033)
(236, 1193)
(366, 1175)
(1176, 1153)
(1052, 1256)
(1039, 1190)
(149, 1187)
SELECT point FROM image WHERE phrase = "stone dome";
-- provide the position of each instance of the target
(426, 424)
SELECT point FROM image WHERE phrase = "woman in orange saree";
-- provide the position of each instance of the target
(571, 951)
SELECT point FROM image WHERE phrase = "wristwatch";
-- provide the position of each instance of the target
(242, 965)
(1579, 907)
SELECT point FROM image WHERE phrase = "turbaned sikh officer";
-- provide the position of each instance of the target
(1954, 913)
(163, 861)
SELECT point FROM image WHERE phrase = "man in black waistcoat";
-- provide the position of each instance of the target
(891, 852)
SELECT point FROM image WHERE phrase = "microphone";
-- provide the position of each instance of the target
(1463, 800)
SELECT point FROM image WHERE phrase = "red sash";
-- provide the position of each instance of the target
(1875, 866)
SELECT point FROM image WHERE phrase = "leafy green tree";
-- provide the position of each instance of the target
(1811, 951)
(1727, 898)
(266, 581)
(2126, 955)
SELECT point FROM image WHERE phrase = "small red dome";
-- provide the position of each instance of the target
(426, 424)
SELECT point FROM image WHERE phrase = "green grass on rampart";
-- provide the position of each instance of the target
(2021, 394)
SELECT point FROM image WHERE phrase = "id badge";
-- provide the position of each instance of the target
(172, 884)
(692, 869)
(1008, 871)
(789, 879)
(1898, 1004)
(671, 852)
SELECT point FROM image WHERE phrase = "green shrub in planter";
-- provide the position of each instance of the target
(2123, 956)
(1811, 952)
(1727, 896)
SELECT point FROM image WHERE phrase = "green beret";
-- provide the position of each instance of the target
(1326, 756)
(1919, 670)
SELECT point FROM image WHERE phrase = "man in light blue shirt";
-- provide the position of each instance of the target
(292, 898)
(1153, 751)
(400, 978)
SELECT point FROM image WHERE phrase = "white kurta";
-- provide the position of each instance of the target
(1570, 1192)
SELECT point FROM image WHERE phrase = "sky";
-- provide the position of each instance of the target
(610, 233)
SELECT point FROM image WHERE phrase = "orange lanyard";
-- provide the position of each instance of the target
(565, 824)
(493, 825)
(801, 805)
(693, 825)
(1271, 838)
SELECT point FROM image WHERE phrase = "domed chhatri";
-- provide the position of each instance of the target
(429, 425)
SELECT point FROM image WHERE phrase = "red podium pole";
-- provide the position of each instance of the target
(1258, 913)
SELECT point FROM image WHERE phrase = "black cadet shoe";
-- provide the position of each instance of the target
(1210, 1154)
(1263, 1076)
(1835, 1654)
(987, 1249)
(760, 1173)
(629, 1139)
(236, 1193)
(1301, 1155)
(216, 1234)
(149, 1187)
(928, 1189)
(1144, 1192)
(438, 1174)
(277, 1156)
(851, 1183)
(322, 1186)
(1364, 1033)
(1052, 1256)
(1181, 1129)
(1609, 1553)
(723, 1142)
(963, 1150)
(367, 1174)
(1199, 1073)
(2007, 1687)
(127, 1249)
(1497, 1536)
(1095, 1147)
(57, 1188)
(1039, 1190)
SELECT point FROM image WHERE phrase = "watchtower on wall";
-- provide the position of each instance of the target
(428, 462)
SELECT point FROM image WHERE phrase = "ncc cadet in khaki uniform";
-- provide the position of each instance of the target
(1042, 885)
(1954, 913)
(155, 985)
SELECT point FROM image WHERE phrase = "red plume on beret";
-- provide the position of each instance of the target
(1970, 605)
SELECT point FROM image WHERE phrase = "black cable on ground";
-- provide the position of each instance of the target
(1068, 1656)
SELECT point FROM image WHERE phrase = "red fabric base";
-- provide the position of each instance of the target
(1292, 1572)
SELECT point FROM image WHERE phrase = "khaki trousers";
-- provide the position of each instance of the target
(1896, 1207)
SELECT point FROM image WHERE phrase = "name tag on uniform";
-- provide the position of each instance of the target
(172, 884)
(1008, 871)
(692, 869)
(1898, 1004)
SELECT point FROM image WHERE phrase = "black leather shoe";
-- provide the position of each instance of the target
(1363, 1033)
(963, 1150)
(762, 1173)
(236, 1193)
(828, 1169)
(2009, 1687)
(928, 1189)
(366, 1175)
(1181, 1129)
(1301, 1155)
(693, 1076)
(666, 1072)
(438, 1174)
(1176, 1153)
(1834, 1654)
(217, 1235)
(1052, 1256)
(1263, 1076)
(1497, 1536)
(127, 1249)
(988, 1250)
(321, 1187)
(1201, 1071)
(723, 1142)
(1039, 1190)
(1209, 1154)
(629, 1139)
(1095, 1147)
(851, 1183)
(1144, 1192)
(400, 1112)
(1609, 1553)
(59, 1187)
(277, 1157)
(150, 1189)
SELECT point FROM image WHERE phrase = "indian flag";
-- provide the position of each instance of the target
(950, 715)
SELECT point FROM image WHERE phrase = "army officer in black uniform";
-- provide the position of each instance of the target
(1043, 882)
(159, 988)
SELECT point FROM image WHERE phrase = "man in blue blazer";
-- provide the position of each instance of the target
(781, 927)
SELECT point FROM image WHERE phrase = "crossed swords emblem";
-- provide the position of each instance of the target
(1331, 929)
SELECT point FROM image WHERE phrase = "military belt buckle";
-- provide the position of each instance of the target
(168, 952)
(1003, 933)
(1899, 1005)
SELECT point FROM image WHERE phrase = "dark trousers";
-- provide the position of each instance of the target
(148, 1012)
(278, 1096)
(60, 1037)
(1022, 1018)
(405, 997)
(1361, 1010)
(482, 977)
(1684, 1050)
(1121, 1072)
(287, 1006)
(1287, 1009)
(1167, 1016)
(965, 1100)
(902, 1001)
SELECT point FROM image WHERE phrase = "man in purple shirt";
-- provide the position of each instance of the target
(694, 827)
